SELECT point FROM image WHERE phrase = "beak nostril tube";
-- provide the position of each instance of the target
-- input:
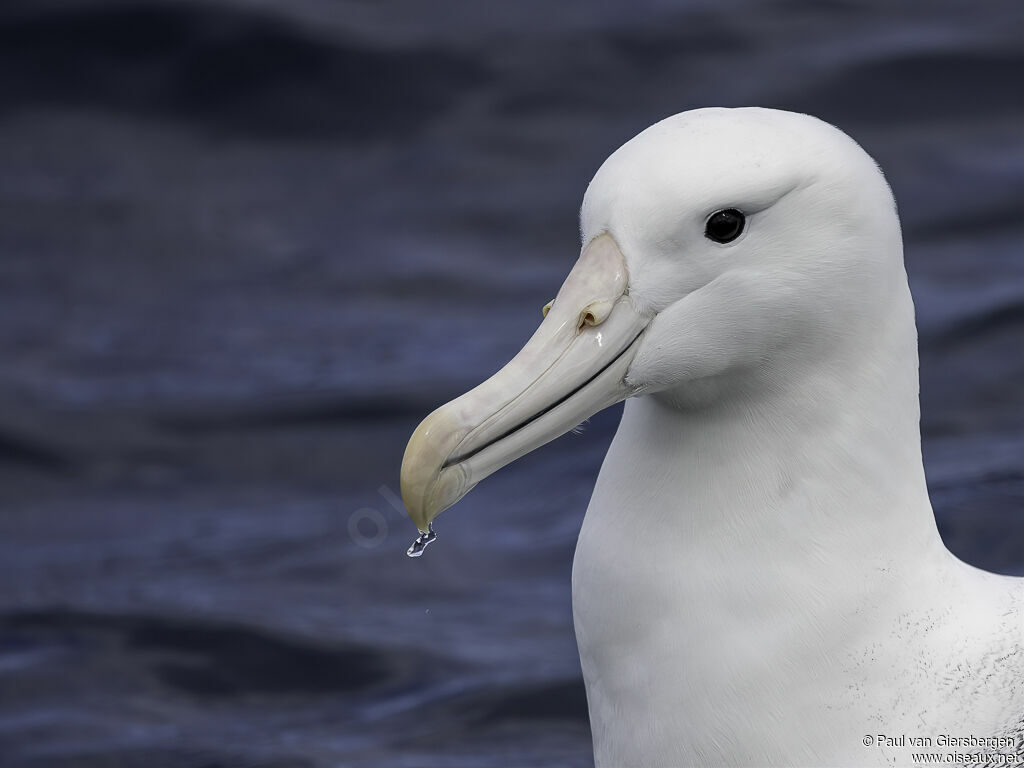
(559, 378)
(594, 313)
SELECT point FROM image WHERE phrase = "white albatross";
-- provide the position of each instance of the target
(759, 579)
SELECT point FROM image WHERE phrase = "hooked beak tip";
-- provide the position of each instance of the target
(573, 366)
(429, 484)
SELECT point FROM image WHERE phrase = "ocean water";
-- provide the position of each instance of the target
(245, 246)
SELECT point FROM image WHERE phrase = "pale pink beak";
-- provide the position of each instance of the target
(573, 366)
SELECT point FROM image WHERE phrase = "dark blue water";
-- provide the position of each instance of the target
(246, 246)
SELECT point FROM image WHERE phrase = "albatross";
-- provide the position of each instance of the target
(759, 579)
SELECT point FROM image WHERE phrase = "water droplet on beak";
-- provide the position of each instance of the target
(425, 538)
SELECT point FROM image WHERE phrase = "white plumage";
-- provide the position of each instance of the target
(759, 579)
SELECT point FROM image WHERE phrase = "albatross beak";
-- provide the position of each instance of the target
(572, 367)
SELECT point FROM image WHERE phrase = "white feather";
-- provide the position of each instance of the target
(759, 579)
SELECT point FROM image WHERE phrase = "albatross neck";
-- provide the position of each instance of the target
(820, 464)
(738, 537)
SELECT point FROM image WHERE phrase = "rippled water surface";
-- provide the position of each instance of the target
(246, 246)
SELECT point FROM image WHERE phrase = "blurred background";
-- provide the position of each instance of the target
(246, 245)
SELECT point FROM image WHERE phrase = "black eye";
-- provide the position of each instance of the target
(725, 226)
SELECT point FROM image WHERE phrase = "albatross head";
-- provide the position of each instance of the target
(725, 251)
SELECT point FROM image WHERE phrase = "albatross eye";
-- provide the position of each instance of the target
(724, 226)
